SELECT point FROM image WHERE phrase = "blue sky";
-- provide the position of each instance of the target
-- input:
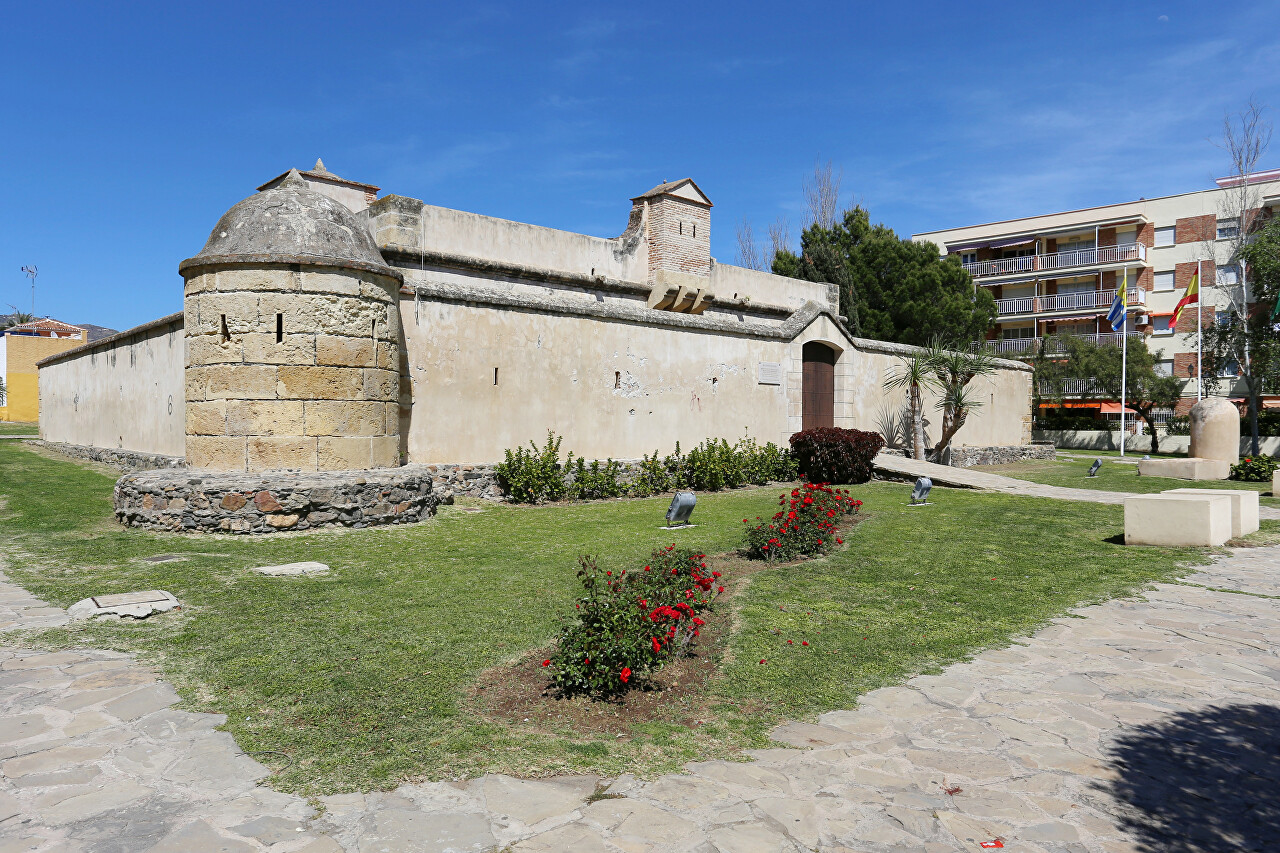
(130, 128)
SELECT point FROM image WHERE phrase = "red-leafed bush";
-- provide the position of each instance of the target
(808, 524)
(834, 455)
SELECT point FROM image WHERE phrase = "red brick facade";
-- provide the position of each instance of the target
(679, 233)
(1195, 229)
(1182, 276)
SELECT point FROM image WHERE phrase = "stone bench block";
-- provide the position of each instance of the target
(1191, 468)
(1275, 484)
(1244, 507)
(1199, 521)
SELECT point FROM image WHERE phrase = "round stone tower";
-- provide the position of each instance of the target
(292, 333)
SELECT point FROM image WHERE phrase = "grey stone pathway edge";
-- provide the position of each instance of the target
(1071, 741)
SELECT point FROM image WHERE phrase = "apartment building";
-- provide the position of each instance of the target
(1057, 273)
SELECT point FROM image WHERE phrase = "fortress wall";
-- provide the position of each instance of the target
(124, 392)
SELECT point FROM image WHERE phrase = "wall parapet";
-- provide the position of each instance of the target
(111, 341)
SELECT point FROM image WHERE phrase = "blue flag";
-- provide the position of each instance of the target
(1116, 315)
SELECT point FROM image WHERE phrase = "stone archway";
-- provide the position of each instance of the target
(818, 386)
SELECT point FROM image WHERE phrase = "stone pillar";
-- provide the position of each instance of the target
(1215, 430)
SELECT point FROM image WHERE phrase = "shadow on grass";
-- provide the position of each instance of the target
(1201, 781)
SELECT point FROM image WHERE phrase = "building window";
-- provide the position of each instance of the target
(1229, 370)
(968, 257)
(1228, 275)
(1018, 333)
(1227, 229)
(1164, 281)
(1161, 325)
(1164, 367)
(1166, 236)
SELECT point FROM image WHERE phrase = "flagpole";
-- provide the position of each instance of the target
(1124, 364)
(1199, 335)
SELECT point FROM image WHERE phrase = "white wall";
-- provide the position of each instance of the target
(125, 392)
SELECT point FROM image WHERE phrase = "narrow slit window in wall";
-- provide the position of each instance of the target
(279, 328)
(495, 376)
(680, 225)
(223, 331)
(617, 379)
(695, 230)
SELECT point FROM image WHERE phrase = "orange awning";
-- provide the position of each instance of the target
(1114, 409)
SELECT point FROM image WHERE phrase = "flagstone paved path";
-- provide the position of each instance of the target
(1138, 724)
(900, 467)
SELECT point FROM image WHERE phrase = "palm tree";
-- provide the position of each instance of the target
(914, 374)
(17, 318)
(953, 369)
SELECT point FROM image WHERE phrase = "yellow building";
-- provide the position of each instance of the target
(21, 347)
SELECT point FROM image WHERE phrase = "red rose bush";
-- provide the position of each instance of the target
(629, 623)
(807, 524)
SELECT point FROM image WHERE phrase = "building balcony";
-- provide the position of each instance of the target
(1015, 305)
(1030, 347)
(1057, 262)
(1072, 388)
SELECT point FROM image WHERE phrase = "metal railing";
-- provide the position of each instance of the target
(1059, 260)
(1071, 388)
(1013, 305)
(1026, 347)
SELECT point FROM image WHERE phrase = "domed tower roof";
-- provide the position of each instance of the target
(291, 224)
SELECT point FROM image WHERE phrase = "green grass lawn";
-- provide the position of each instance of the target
(1113, 477)
(360, 680)
(19, 428)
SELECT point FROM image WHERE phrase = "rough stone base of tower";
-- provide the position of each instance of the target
(195, 501)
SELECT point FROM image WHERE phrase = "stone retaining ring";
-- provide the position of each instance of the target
(195, 501)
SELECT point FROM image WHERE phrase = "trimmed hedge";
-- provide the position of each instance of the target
(834, 455)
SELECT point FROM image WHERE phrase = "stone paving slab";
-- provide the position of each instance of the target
(1142, 724)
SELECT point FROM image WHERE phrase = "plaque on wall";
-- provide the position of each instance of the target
(770, 373)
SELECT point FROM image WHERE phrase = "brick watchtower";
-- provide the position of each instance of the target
(292, 339)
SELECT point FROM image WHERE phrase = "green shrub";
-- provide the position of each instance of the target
(808, 524)
(536, 475)
(1255, 469)
(651, 478)
(595, 481)
(626, 625)
(1179, 425)
(767, 464)
(1268, 423)
(711, 466)
(834, 455)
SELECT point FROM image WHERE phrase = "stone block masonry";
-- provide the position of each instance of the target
(193, 501)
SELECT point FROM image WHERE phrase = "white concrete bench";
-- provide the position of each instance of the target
(1191, 468)
(1198, 521)
(1244, 507)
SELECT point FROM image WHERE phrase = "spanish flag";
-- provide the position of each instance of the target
(1192, 296)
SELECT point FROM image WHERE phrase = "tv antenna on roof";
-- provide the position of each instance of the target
(31, 274)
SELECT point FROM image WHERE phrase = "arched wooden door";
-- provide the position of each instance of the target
(818, 386)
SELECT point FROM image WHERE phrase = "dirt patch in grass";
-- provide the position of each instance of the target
(678, 693)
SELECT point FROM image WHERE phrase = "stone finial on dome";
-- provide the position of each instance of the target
(294, 180)
(319, 167)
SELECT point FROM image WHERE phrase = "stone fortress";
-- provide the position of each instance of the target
(402, 347)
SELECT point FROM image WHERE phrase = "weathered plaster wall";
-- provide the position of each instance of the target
(400, 221)
(485, 378)
(124, 392)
